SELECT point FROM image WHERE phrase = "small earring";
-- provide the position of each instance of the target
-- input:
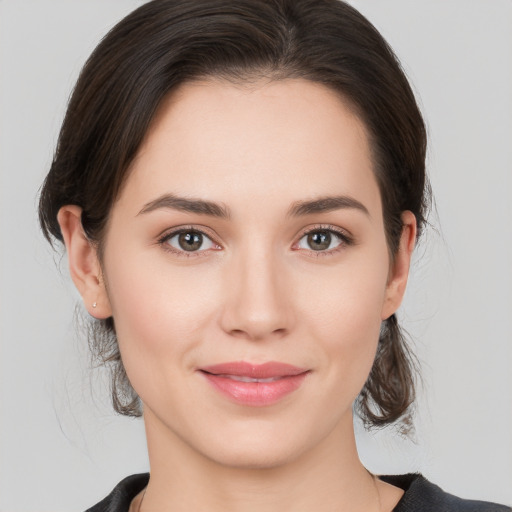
(94, 304)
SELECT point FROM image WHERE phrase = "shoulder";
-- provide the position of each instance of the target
(120, 498)
(420, 496)
(423, 496)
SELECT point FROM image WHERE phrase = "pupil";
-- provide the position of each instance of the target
(319, 240)
(190, 241)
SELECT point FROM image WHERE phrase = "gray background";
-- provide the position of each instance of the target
(62, 448)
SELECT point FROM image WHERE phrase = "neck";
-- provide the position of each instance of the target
(330, 477)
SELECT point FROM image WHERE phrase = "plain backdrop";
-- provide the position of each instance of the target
(61, 446)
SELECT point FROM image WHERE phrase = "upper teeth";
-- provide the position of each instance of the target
(242, 378)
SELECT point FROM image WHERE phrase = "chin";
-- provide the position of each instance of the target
(253, 456)
(262, 444)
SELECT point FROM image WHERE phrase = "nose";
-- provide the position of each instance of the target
(258, 301)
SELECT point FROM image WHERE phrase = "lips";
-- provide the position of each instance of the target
(254, 385)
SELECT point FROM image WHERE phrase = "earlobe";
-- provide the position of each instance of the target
(399, 271)
(84, 265)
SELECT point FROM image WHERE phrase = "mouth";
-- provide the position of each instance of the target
(246, 379)
(254, 385)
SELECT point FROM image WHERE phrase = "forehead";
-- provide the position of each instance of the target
(290, 139)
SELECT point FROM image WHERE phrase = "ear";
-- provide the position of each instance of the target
(399, 270)
(84, 265)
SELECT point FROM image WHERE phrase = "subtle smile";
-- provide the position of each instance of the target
(254, 385)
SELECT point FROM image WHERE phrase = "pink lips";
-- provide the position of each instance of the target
(256, 385)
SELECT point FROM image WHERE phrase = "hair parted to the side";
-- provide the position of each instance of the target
(165, 43)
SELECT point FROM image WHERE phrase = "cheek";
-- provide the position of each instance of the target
(344, 315)
(153, 329)
(159, 311)
(348, 295)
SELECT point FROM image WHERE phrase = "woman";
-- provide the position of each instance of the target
(240, 186)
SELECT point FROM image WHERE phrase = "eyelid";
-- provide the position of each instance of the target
(172, 232)
(346, 239)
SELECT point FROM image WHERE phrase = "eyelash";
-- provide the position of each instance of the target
(164, 239)
(345, 240)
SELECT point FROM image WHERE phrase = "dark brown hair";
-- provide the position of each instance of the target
(165, 43)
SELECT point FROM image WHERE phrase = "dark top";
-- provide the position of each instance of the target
(420, 496)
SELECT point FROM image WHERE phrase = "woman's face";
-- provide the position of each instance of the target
(250, 230)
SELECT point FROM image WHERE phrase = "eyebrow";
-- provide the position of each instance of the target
(297, 209)
(185, 204)
(326, 204)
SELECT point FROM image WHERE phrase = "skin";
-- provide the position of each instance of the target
(257, 292)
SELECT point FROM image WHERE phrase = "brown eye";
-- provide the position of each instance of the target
(322, 240)
(319, 240)
(189, 241)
